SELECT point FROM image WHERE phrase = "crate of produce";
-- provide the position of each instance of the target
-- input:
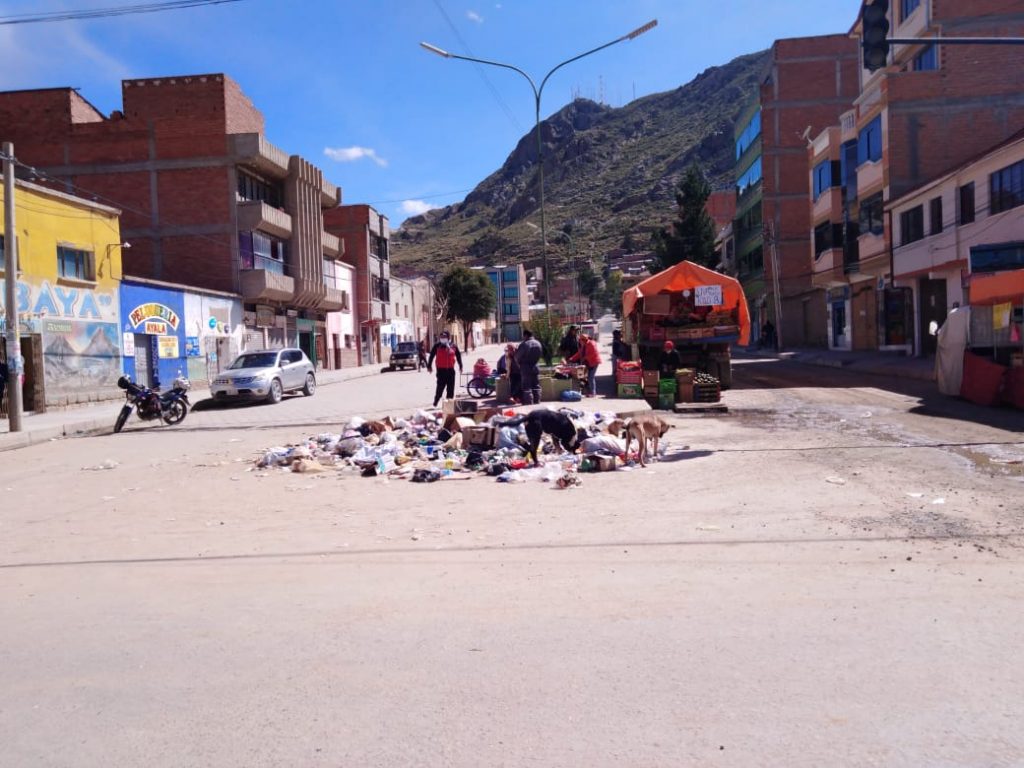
(706, 389)
(628, 377)
(630, 391)
(667, 387)
(685, 375)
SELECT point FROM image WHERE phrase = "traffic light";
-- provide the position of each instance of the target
(874, 34)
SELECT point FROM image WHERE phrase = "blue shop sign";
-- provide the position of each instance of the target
(155, 316)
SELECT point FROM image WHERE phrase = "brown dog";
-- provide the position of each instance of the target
(644, 429)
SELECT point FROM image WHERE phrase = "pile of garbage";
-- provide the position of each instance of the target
(430, 446)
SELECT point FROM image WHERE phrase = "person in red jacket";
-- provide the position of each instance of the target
(447, 354)
(589, 355)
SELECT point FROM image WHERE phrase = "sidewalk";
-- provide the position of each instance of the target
(879, 363)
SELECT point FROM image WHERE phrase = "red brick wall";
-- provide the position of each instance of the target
(194, 196)
(199, 260)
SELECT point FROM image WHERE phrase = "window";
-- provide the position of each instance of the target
(511, 275)
(847, 169)
(510, 292)
(750, 178)
(379, 247)
(1007, 188)
(869, 142)
(330, 273)
(510, 309)
(870, 219)
(254, 188)
(935, 215)
(822, 177)
(259, 251)
(749, 134)
(997, 258)
(907, 7)
(74, 265)
(912, 225)
(823, 240)
(966, 196)
(927, 60)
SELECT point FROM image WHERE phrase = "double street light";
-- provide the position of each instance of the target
(536, 96)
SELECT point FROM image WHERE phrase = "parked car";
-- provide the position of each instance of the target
(405, 355)
(266, 375)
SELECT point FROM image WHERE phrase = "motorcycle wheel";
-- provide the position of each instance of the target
(122, 417)
(175, 412)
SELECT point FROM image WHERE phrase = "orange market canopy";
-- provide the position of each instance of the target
(687, 276)
(997, 288)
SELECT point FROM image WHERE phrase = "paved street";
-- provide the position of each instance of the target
(829, 574)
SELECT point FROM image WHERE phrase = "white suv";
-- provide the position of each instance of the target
(266, 374)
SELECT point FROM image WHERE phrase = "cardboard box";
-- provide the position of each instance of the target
(651, 390)
(459, 406)
(684, 392)
(479, 437)
(551, 389)
(630, 391)
(603, 463)
(651, 378)
(502, 389)
(685, 376)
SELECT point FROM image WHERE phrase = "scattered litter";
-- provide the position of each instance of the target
(938, 501)
(108, 464)
(431, 446)
(915, 494)
(835, 480)
(107, 498)
(708, 528)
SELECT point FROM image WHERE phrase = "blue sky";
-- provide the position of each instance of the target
(345, 83)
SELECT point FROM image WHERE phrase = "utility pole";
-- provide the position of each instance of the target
(771, 242)
(15, 364)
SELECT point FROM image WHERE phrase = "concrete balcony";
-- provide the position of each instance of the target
(254, 150)
(256, 215)
(332, 244)
(336, 300)
(309, 294)
(869, 179)
(262, 285)
(330, 195)
(828, 269)
(829, 205)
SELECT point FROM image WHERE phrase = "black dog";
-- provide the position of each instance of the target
(556, 424)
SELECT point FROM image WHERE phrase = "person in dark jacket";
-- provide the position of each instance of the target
(620, 350)
(670, 361)
(448, 355)
(570, 344)
(528, 355)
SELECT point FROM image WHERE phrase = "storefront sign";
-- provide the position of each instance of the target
(128, 344)
(212, 322)
(707, 296)
(154, 328)
(264, 316)
(167, 346)
(191, 346)
(154, 311)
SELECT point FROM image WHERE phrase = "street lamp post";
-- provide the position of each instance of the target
(575, 262)
(536, 97)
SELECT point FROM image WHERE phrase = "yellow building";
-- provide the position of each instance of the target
(69, 272)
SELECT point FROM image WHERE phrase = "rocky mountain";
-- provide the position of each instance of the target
(609, 177)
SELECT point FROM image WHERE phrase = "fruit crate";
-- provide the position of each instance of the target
(706, 393)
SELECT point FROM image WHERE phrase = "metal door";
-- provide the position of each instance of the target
(143, 368)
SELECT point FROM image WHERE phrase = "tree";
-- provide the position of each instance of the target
(589, 282)
(610, 296)
(547, 328)
(468, 295)
(692, 235)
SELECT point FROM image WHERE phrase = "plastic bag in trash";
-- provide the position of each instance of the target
(571, 396)
(511, 477)
(355, 422)
(508, 437)
(474, 460)
(604, 444)
(426, 476)
(349, 446)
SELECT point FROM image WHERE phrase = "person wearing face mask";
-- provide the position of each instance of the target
(448, 356)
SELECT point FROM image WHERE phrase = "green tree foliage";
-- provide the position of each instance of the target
(589, 282)
(691, 236)
(547, 328)
(467, 294)
(610, 296)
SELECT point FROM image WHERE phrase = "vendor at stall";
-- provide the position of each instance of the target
(508, 367)
(670, 361)
(588, 355)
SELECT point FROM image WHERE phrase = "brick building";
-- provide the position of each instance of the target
(808, 84)
(929, 111)
(207, 201)
(366, 241)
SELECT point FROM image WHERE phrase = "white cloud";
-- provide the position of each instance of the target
(351, 154)
(415, 207)
(474, 16)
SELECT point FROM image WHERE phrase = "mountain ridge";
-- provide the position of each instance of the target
(609, 176)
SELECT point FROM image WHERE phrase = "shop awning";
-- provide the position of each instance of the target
(687, 275)
(997, 288)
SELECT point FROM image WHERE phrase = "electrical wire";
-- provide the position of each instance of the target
(105, 13)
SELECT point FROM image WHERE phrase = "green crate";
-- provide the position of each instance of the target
(630, 391)
(667, 387)
(667, 402)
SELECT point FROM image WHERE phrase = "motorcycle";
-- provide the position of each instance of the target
(171, 407)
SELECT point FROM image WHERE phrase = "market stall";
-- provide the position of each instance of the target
(994, 361)
(702, 312)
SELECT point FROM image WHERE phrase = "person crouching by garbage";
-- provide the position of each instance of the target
(509, 368)
(528, 355)
(447, 354)
(589, 356)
